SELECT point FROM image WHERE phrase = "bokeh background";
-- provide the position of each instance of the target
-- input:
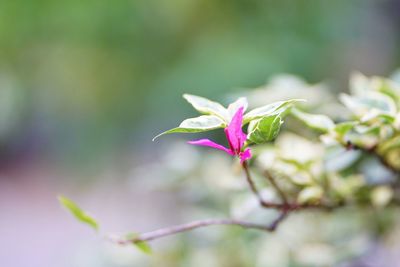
(85, 85)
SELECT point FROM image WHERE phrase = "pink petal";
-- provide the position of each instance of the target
(209, 143)
(234, 133)
(245, 155)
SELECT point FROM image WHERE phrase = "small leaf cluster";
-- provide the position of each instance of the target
(265, 121)
(354, 161)
(374, 122)
(341, 166)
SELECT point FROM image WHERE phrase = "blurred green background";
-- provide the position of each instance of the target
(85, 85)
(83, 79)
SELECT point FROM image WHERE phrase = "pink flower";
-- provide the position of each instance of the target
(236, 138)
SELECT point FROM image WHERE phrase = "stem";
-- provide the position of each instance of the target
(198, 224)
(285, 209)
(281, 217)
(286, 206)
(251, 182)
(271, 179)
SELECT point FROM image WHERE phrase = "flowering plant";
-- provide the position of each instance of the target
(322, 174)
(235, 136)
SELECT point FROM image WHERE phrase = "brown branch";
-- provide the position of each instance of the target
(198, 224)
(286, 206)
(251, 182)
(285, 209)
(254, 189)
(272, 181)
(281, 217)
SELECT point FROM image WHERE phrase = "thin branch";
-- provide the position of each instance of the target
(281, 217)
(265, 204)
(198, 224)
(251, 182)
(372, 151)
(286, 207)
(272, 181)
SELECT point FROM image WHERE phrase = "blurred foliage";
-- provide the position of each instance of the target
(83, 81)
(357, 181)
(327, 166)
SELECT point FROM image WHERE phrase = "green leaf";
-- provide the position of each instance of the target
(195, 125)
(77, 212)
(387, 118)
(393, 143)
(141, 245)
(396, 122)
(342, 128)
(269, 110)
(319, 122)
(299, 165)
(265, 129)
(144, 247)
(388, 87)
(366, 129)
(206, 106)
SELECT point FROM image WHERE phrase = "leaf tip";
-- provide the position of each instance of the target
(141, 245)
(144, 247)
(187, 96)
(77, 212)
(161, 134)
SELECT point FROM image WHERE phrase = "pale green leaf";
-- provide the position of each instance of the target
(301, 178)
(387, 118)
(195, 125)
(393, 143)
(298, 164)
(359, 83)
(77, 212)
(265, 129)
(269, 110)
(366, 129)
(206, 106)
(369, 102)
(396, 122)
(233, 107)
(144, 247)
(319, 122)
(388, 87)
(375, 115)
(381, 196)
(310, 194)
